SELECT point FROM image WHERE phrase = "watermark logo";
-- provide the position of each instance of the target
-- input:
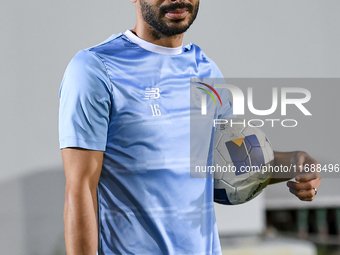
(239, 100)
(200, 99)
(281, 101)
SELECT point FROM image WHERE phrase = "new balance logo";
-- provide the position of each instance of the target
(152, 93)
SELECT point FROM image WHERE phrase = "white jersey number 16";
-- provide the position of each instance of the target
(156, 112)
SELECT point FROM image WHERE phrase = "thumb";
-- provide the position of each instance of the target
(298, 161)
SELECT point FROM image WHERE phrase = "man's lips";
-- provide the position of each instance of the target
(177, 14)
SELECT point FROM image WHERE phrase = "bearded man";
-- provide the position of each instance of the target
(125, 139)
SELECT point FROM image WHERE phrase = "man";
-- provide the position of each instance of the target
(125, 138)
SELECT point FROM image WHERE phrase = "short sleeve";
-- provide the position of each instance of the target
(225, 110)
(85, 103)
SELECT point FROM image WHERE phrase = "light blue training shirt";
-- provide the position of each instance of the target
(131, 99)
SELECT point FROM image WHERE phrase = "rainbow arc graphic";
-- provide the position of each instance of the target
(209, 93)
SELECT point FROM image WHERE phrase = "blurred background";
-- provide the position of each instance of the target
(247, 39)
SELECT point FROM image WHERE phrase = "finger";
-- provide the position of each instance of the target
(306, 177)
(297, 164)
(317, 183)
(299, 160)
(293, 191)
(305, 195)
(308, 199)
(301, 185)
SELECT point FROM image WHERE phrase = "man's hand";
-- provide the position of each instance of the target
(305, 185)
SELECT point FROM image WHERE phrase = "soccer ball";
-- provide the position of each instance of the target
(242, 155)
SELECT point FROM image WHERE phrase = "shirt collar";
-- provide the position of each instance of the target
(152, 47)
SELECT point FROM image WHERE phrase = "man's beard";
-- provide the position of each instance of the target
(154, 17)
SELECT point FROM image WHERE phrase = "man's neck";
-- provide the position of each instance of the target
(148, 34)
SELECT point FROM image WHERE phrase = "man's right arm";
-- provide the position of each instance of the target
(82, 172)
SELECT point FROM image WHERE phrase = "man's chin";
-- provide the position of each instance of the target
(172, 27)
(178, 24)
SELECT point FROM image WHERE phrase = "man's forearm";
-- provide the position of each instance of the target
(80, 220)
